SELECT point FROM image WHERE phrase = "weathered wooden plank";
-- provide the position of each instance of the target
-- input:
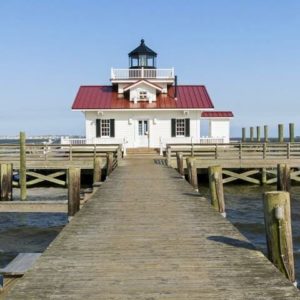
(20, 264)
(50, 178)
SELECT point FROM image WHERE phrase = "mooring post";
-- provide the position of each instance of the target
(5, 182)
(180, 168)
(216, 189)
(283, 177)
(280, 133)
(192, 172)
(263, 176)
(251, 134)
(258, 133)
(266, 133)
(22, 171)
(73, 191)
(97, 169)
(119, 153)
(277, 212)
(110, 160)
(243, 134)
(292, 132)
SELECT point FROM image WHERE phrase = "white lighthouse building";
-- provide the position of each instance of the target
(144, 107)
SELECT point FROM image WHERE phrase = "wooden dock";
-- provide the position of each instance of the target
(145, 234)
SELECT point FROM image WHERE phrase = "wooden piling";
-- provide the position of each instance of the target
(280, 133)
(251, 134)
(180, 168)
(243, 134)
(110, 159)
(5, 182)
(192, 172)
(263, 176)
(277, 214)
(22, 172)
(258, 133)
(216, 189)
(266, 133)
(292, 132)
(73, 191)
(169, 157)
(283, 177)
(97, 169)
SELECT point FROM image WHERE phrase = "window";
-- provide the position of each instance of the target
(105, 128)
(180, 127)
(143, 95)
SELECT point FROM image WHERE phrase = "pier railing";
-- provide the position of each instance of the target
(52, 152)
(236, 151)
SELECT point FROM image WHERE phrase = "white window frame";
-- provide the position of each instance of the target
(180, 128)
(143, 95)
(105, 128)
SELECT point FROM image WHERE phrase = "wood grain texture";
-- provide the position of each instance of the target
(146, 234)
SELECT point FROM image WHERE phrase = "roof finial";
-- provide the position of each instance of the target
(142, 41)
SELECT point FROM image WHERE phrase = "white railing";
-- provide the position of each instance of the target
(142, 73)
(189, 140)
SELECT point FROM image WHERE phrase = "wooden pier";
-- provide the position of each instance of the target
(146, 234)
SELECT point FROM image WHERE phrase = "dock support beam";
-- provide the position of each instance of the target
(216, 189)
(22, 180)
(292, 132)
(277, 214)
(110, 158)
(73, 191)
(180, 168)
(243, 134)
(283, 177)
(97, 169)
(192, 172)
(280, 133)
(263, 176)
(251, 134)
(6, 182)
(266, 133)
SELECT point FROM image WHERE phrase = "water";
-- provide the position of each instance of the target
(244, 209)
(30, 232)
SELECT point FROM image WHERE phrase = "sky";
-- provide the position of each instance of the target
(246, 53)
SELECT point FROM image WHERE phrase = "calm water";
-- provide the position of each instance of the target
(245, 210)
(33, 232)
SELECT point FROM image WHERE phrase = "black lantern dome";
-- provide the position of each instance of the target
(142, 57)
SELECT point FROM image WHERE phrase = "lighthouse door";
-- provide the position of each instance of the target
(143, 133)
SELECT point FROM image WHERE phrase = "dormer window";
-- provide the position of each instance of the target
(143, 95)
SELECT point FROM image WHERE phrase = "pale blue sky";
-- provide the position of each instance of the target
(247, 53)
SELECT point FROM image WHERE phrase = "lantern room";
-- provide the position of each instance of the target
(142, 57)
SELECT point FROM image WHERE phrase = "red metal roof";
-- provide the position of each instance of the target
(217, 114)
(104, 97)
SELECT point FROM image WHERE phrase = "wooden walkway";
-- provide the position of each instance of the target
(146, 234)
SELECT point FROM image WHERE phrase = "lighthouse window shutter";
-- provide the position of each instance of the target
(173, 127)
(98, 128)
(187, 127)
(112, 127)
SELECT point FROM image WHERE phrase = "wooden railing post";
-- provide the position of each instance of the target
(243, 134)
(22, 170)
(288, 150)
(110, 160)
(280, 133)
(240, 151)
(216, 189)
(217, 152)
(264, 150)
(73, 191)
(277, 214)
(192, 172)
(251, 134)
(258, 133)
(283, 177)
(180, 168)
(97, 169)
(5, 182)
(266, 134)
(292, 132)
(71, 153)
(169, 155)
